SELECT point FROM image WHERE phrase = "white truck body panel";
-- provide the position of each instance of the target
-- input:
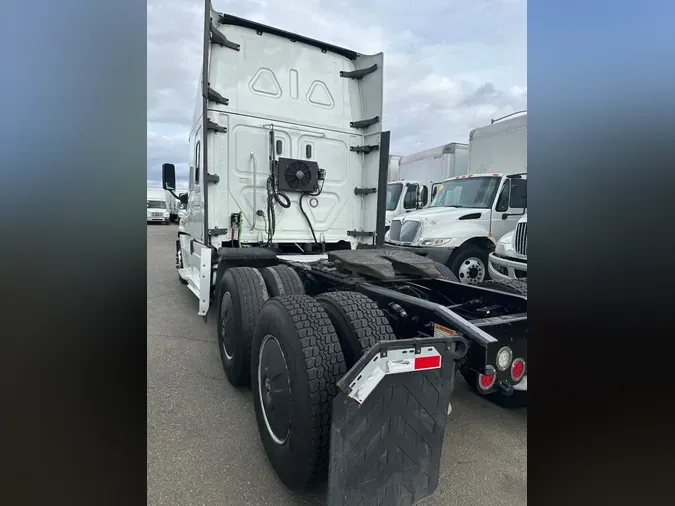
(499, 147)
(394, 162)
(435, 164)
(296, 89)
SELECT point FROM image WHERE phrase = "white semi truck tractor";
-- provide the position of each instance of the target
(283, 239)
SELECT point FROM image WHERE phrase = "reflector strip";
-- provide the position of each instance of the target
(433, 362)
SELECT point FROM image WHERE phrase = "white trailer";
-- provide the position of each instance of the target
(420, 175)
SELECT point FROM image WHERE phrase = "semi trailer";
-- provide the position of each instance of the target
(350, 348)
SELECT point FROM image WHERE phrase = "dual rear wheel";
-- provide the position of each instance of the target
(292, 349)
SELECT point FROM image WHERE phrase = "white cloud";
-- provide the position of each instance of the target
(450, 65)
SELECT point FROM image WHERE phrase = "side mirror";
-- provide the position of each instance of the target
(168, 176)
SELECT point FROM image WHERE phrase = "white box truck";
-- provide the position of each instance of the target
(283, 237)
(157, 206)
(419, 176)
(470, 213)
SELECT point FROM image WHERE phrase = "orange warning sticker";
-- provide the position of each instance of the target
(441, 331)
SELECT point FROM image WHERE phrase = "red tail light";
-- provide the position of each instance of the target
(518, 369)
(486, 381)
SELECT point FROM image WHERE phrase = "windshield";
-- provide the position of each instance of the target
(470, 192)
(393, 194)
(156, 204)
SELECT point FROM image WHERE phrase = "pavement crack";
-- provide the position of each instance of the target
(209, 376)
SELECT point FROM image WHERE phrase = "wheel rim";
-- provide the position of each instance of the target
(472, 271)
(226, 340)
(274, 389)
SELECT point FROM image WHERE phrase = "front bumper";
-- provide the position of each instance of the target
(441, 255)
(157, 219)
(504, 268)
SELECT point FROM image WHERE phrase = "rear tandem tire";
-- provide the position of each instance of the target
(358, 321)
(296, 361)
(243, 294)
(282, 280)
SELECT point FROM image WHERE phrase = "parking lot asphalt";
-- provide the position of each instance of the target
(203, 443)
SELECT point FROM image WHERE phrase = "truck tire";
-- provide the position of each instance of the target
(296, 361)
(515, 286)
(516, 400)
(358, 321)
(470, 265)
(243, 294)
(282, 280)
(445, 271)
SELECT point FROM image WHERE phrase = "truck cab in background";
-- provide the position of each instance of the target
(420, 174)
(463, 223)
(470, 213)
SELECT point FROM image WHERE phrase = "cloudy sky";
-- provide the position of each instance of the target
(450, 65)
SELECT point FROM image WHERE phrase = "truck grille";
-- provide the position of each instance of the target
(521, 239)
(409, 231)
(395, 230)
(157, 214)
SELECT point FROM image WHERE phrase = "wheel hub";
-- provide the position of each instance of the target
(472, 271)
(274, 389)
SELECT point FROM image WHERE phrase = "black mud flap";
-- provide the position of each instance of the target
(389, 421)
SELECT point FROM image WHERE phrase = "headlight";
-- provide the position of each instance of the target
(435, 242)
(166, 214)
(504, 357)
(147, 213)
